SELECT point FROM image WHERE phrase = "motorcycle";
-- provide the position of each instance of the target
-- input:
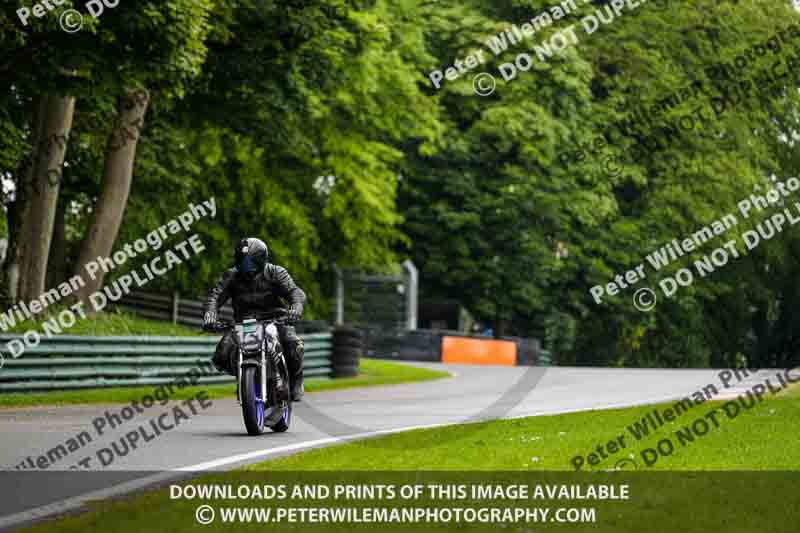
(262, 375)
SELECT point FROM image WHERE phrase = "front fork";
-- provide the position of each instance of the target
(263, 378)
(239, 379)
(263, 375)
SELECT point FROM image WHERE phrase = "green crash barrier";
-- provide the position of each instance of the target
(545, 358)
(78, 362)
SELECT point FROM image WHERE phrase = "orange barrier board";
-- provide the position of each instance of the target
(469, 351)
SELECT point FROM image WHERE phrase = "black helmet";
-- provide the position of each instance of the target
(251, 257)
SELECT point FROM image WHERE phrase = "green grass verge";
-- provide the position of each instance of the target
(373, 372)
(792, 391)
(114, 322)
(765, 437)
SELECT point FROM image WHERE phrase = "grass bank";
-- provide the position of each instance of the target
(115, 322)
(764, 437)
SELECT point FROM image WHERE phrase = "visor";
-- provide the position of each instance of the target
(247, 265)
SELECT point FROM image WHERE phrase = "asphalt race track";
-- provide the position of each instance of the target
(214, 438)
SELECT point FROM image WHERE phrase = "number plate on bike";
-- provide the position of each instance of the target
(250, 337)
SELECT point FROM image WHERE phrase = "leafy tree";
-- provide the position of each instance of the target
(109, 55)
(500, 210)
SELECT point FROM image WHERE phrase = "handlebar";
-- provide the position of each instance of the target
(218, 327)
(225, 325)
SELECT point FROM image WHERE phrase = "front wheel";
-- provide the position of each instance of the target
(252, 406)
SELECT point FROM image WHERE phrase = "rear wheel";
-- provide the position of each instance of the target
(252, 406)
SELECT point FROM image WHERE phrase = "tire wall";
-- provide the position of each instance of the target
(348, 349)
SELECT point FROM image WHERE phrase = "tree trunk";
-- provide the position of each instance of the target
(57, 265)
(117, 174)
(39, 193)
(11, 262)
(15, 209)
(18, 208)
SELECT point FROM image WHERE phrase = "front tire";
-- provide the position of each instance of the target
(252, 410)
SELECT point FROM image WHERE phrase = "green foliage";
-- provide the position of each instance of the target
(116, 322)
(315, 127)
(270, 121)
(496, 218)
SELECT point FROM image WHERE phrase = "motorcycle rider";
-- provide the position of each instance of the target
(258, 289)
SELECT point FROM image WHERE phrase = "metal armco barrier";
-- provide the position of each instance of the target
(545, 358)
(180, 310)
(78, 362)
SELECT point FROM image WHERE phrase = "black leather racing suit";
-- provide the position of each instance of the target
(264, 296)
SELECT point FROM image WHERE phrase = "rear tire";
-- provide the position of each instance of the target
(250, 408)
